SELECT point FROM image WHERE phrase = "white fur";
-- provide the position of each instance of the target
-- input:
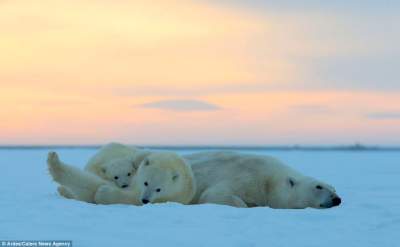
(109, 194)
(162, 177)
(165, 177)
(117, 163)
(75, 183)
(246, 180)
(167, 171)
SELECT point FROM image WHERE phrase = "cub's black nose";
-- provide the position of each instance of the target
(145, 201)
(336, 201)
(124, 186)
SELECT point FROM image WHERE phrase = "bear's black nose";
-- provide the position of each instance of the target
(145, 201)
(124, 186)
(336, 201)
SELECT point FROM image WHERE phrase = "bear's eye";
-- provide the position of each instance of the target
(145, 183)
(158, 190)
(319, 187)
(129, 174)
(116, 177)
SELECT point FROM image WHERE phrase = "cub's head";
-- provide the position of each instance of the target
(309, 192)
(161, 178)
(120, 171)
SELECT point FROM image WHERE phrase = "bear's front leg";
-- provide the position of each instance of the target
(109, 194)
(65, 192)
(221, 194)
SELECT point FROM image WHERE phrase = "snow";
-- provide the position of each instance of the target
(368, 183)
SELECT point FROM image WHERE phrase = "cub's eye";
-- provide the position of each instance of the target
(158, 190)
(145, 183)
(116, 177)
(318, 187)
(129, 174)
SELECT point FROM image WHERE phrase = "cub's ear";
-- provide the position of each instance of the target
(139, 157)
(146, 162)
(103, 170)
(133, 164)
(291, 182)
(175, 177)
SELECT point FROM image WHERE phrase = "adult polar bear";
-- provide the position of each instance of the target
(247, 180)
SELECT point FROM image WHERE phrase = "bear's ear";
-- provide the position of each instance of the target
(146, 162)
(291, 182)
(175, 177)
(103, 170)
(133, 164)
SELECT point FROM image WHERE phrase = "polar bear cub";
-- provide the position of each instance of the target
(117, 163)
(162, 177)
(119, 171)
(165, 177)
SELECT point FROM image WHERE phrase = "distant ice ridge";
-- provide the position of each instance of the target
(353, 147)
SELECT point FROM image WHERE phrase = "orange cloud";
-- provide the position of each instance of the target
(254, 118)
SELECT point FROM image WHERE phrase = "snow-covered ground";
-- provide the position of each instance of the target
(368, 182)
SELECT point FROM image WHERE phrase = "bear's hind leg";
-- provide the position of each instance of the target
(55, 166)
(80, 184)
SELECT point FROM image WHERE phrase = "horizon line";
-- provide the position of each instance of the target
(293, 147)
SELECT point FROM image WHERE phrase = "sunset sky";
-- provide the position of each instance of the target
(199, 72)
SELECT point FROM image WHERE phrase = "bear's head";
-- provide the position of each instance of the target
(164, 177)
(308, 192)
(120, 171)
